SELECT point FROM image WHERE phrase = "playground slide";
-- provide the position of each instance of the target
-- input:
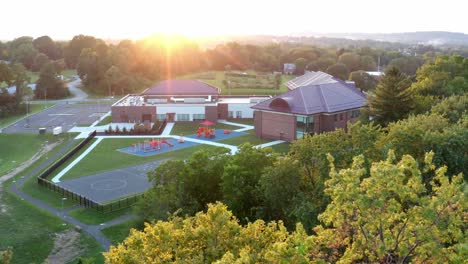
(164, 141)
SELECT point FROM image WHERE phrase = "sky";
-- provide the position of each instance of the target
(116, 19)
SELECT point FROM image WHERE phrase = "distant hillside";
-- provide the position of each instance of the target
(436, 38)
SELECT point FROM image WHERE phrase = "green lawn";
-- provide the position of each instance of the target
(106, 157)
(107, 120)
(33, 108)
(281, 148)
(250, 138)
(33, 76)
(117, 233)
(190, 128)
(244, 121)
(242, 85)
(44, 194)
(93, 217)
(17, 148)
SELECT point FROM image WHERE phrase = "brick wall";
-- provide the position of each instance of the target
(275, 125)
(211, 113)
(131, 114)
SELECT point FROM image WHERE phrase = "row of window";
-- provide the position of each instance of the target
(340, 116)
(182, 117)
(238, 114)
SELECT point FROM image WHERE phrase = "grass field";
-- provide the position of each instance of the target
(242, 85)
(17, 148)
(281, 148)
(30, 231)
(106, 157)
(107, 120)
(117, 233)
(250, 138)
(190, 128)
(47, 196)
(33, 108)
(93, 217)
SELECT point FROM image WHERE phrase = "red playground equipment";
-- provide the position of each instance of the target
(151, 145)
(208, 132)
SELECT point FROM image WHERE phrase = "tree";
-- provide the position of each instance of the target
(186, 186)
(74, 48)
(6, 256)
(363, 80)
(391, 100)
(113, 77)
(368, 63)
(407, 65)
(20, 79)
(25, 54)
(384, 214)
(212, 237)
(452, 108)
(241, 177)
(47, 46)
(278, 81)
(301, 64)
(351, 60)
(339, 70)
(49, 85)
(39, 61)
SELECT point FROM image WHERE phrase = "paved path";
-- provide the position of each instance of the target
(269, 144)
(75, 161)
(92, 230)
(244, 126)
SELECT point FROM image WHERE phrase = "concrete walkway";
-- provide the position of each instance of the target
(100, 119)
(56, 179)
(244, 126)
(167, 129)
(269, 144)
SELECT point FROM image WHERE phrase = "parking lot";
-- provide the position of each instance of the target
(64, 115)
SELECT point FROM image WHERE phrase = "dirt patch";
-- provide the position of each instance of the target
(66, 247)
(21, 167)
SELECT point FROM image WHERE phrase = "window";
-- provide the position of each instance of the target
(335, 116)
(183, 117)
(238, 114)
(198, 116)
(355, 113)
(161, 117)
(231, 114)
(341, 116)
(304, 125)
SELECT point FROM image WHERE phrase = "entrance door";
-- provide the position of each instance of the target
(146, 118)
(170, 117)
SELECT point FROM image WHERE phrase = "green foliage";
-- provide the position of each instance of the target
(49, 85)
(301, 64)
(339, 70)
(241, 177)
(363, 80)
(453, 107)
(188, 186)
(443, 77)
(386, 215)
(351, 60)
(212, 237)
(6, 256)
(392, 100)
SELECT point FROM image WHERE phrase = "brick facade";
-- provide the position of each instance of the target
(131, 114)
(275, 125)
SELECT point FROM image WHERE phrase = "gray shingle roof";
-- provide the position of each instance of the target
(314, 99)
(182, 87)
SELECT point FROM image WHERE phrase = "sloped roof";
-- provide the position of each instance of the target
(182, 87)
(311, 77)
(314, 99)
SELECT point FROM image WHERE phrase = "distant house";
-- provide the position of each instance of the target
(308, 109)
(289, 68)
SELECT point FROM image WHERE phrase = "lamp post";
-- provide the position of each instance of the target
(63, 199)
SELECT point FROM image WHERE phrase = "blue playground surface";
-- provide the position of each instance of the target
(219, 135)
(164, 148)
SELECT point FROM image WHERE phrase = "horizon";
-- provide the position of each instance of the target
(209, 19)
